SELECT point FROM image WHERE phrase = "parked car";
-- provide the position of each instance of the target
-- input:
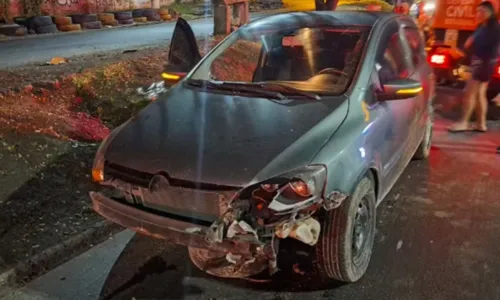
(296, 125)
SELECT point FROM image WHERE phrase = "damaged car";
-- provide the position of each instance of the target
(295, 126)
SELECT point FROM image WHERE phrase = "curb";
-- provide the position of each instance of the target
(56, 255)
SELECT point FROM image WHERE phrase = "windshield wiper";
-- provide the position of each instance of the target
(235, 87)
(288, 89)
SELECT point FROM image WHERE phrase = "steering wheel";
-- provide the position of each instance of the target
(332, 71)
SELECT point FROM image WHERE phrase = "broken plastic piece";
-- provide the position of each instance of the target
(306, 231)
(233, 258)
(334, 200)
(215, 233)
(240, 228)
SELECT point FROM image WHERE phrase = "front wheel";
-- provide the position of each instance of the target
(424, 149)
(345, 246)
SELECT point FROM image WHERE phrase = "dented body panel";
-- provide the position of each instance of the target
(221, 172)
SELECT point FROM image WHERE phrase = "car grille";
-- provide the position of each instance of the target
(205, 202)
(190, 203)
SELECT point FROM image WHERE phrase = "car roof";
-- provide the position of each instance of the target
(321, 18)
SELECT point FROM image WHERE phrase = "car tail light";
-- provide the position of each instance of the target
(497, 71)
(439, 60)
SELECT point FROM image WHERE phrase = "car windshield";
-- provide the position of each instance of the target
(321, 60)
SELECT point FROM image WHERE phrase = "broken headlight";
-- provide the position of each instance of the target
(291, 193)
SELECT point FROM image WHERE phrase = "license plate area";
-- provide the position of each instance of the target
(189, 203)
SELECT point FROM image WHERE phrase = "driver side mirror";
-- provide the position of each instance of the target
(399, 89)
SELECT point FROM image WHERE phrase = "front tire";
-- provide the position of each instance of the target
(345, 246)
(424, 149)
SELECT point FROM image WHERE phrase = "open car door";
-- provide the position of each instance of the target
(183, 54)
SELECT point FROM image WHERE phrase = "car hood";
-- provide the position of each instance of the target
(224, 139)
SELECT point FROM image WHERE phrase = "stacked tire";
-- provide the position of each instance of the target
(65, 24)
(13, 30)
(87, 21)
(124, 17)
(43, 25)
(150, 14)
(165, 14)
(107, 19)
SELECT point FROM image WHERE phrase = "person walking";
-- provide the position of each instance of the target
(483, 48)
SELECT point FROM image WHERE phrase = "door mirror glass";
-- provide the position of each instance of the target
(399, 89)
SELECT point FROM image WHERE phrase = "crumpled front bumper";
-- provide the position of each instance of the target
(173, 230)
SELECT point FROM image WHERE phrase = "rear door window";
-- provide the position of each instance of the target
(416, 44)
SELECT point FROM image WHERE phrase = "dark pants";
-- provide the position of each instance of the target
(482, 70)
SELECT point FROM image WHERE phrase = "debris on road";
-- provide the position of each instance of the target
(399, 245)
(57, 61)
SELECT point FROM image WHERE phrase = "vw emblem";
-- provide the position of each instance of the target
(157, 183)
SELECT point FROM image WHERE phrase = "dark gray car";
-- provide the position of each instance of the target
(294, 126)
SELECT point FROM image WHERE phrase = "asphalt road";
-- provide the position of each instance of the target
(40, 49)
(437, 238)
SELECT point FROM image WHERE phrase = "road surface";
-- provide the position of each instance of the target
(40, 49)
(437, 238)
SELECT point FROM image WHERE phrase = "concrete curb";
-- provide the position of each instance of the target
(56, 255)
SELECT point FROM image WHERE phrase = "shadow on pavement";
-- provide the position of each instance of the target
(43, 194)
(152, 269)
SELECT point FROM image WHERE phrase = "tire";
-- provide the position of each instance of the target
(21, 21)
(141, 20)
(149, 12)
(123, 15)
(164, 11)
(92, 25)
(70, 27)
(84, 18)
(62, 20)
(166, 17)
(126, 21)
(106, 18)
(335, 258)
(40, 21)
(154, 18)
(46, 29)
(138, 13)
(424, 149)
(13, 30)
(112, 23)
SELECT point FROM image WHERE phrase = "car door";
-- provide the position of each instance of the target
(184, 53)
(393, 62)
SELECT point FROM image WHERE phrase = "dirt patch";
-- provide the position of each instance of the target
(48, 139)
(93, 93)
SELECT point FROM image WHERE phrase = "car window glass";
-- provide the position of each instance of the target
(322, 59)
(238, 62)
(416, 45)
(391, 63)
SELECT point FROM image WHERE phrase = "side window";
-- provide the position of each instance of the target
(416, 45)
(391, 63)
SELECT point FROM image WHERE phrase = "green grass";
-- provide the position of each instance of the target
(185, 9)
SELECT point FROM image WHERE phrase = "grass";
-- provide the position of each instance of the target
(185, 9)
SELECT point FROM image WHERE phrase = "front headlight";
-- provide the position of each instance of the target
(98, 164)
(297, 190)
